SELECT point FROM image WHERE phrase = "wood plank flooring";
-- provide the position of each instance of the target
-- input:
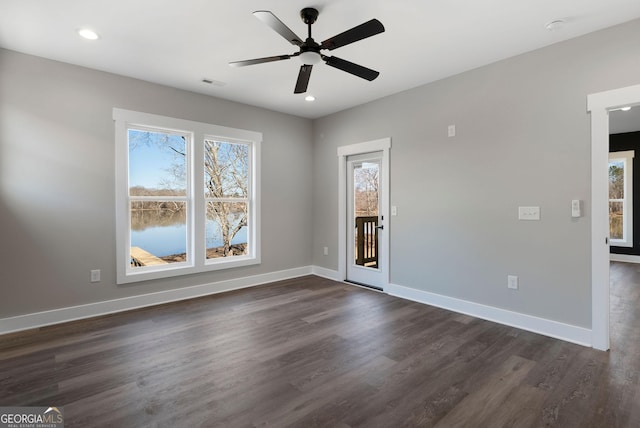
(311, 352)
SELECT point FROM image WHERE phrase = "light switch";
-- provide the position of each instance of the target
(528, 213)
(575, 208)
(394, 210)
(451, 131)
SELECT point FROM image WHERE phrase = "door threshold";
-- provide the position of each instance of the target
(373, 287)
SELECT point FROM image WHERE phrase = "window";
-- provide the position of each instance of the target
(187, 196)
(621, 198)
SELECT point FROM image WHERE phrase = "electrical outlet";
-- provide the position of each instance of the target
(528, 213)
(512, 282)
(326, 251)
(95, 275)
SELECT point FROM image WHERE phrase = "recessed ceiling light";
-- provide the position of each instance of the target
(88, 34)
(309, 98)
(556, 24)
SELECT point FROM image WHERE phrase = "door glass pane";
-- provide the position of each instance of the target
(366, 205)
(226, 229)
(158, 232)
(157, 164)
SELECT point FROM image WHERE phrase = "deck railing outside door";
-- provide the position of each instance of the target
(367, 241)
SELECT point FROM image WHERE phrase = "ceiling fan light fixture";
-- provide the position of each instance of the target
(309, 57)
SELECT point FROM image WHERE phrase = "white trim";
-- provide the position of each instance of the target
(525, 322)
(599, 105)
(366, 147)
(382, 145)
(557, 330)
(626, 258)
(57, 316)
(325, 273)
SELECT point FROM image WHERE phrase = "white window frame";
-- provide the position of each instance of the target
(196, 201)
(627, 202)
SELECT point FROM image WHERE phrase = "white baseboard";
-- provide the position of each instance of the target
(557, 330)
(326, 273)
(57, 316)
(627, 258)
(546, 327)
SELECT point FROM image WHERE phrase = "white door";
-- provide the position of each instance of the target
(365, 220)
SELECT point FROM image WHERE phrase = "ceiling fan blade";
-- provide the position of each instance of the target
(303, 79)
(362, 31)
(350, 67)
(278, 26)
(259, 60)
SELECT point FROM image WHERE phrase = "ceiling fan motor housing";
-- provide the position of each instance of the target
(309, 15)
(309, 50)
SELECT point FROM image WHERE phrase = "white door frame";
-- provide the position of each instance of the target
(599, 104)
(383, 145)
(366, 275)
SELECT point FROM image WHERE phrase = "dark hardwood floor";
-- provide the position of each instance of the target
(312, 352)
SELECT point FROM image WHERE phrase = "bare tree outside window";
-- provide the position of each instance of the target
(227, 193)
(616, 199)
(366, 190)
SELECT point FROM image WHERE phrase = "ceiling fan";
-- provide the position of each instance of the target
(310, 51)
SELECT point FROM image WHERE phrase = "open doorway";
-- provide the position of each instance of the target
(624, 184)
(624, 227)
(600, 105)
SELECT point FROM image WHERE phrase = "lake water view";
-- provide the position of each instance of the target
(171, 239)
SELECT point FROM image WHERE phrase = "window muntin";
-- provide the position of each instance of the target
(179, 215)
(621, 198)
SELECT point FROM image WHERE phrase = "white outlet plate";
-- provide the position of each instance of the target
(95, 275)
(451, 130)
(528, 213)
(325, 251)
(512, 282)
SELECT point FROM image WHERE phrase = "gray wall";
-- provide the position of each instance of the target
(523, 139)
(57, 181)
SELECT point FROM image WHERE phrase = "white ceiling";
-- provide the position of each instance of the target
(178, 43)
